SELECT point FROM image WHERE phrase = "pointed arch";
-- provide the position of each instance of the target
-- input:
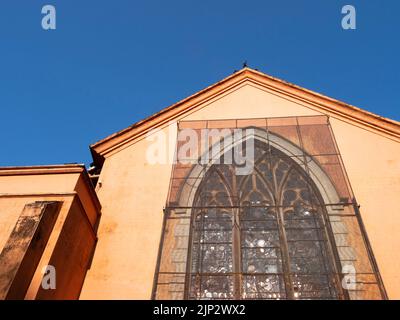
(275, 243)
(319, 177)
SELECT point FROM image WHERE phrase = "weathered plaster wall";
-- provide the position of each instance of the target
(134, 192)
(17, 190)
(11, 208)
(373, 166)
(250, 101)
(47, 183)
(72, 239)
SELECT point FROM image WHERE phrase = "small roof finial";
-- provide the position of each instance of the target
(245, 64)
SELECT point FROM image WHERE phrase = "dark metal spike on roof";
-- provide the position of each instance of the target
(245, 64)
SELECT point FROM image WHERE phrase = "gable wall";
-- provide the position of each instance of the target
(133, 193)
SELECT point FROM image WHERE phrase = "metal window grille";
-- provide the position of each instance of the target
(287, 230)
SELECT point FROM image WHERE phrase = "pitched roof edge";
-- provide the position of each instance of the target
(42, 169)
(388, 126)
(155, 115)
(54, 169)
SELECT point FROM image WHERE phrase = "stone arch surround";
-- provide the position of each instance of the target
(179, 254)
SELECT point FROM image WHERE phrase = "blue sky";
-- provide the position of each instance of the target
(111, 63)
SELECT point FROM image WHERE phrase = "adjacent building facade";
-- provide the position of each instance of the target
(252, 188)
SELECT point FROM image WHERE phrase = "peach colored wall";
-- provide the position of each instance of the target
(11, 208)
(71, 245)
(49, 183)
(373, 166)
(91, 206)
(28, 185)
(250, 101)
(71, 255)
(133, 194)
(9, 213)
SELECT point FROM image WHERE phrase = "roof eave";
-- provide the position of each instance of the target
(102, 147)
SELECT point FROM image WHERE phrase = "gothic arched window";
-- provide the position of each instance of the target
(260, 236)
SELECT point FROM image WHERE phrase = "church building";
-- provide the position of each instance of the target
(253, 188)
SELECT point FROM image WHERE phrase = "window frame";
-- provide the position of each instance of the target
(237, 258)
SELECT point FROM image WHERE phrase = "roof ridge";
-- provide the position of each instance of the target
(248, 73)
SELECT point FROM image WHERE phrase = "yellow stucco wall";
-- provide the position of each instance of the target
(134, 192)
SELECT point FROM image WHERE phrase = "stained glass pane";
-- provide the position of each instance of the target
(310, 261)
(261, 260)
(206, 287)
(313, 287)
(263, 287)
(271, 222)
